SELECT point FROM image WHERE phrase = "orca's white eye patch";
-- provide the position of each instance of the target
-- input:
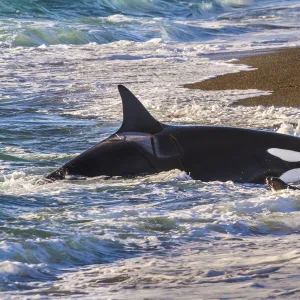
(291, 175)
(287, 155)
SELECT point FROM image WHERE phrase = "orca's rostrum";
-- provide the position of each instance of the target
(143, 145)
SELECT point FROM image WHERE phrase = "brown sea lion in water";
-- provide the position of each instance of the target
(276, 184)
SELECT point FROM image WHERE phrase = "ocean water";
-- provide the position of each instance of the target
(164, 236)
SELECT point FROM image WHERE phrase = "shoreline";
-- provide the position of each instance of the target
(275, 71)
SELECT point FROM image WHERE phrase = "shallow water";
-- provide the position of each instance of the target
(149, 236)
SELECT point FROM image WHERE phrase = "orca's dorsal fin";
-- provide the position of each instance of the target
(136, 117)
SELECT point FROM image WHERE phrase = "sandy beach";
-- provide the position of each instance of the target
(277, 72)
(159, 236)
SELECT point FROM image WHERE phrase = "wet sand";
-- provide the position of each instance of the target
(277, 72)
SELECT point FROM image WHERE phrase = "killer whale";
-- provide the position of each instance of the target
(144, 145)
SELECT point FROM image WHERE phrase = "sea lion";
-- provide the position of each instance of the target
(276, 184)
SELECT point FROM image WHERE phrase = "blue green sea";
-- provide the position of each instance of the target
(164, 236)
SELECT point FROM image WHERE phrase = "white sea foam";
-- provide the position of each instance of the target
(245, 265)
(164, 234)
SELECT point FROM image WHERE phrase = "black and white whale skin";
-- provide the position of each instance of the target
(143, 145)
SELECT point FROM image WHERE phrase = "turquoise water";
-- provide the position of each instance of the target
(60, 65)
(33, 23)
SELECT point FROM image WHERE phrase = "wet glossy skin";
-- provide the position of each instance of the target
(208, 153)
